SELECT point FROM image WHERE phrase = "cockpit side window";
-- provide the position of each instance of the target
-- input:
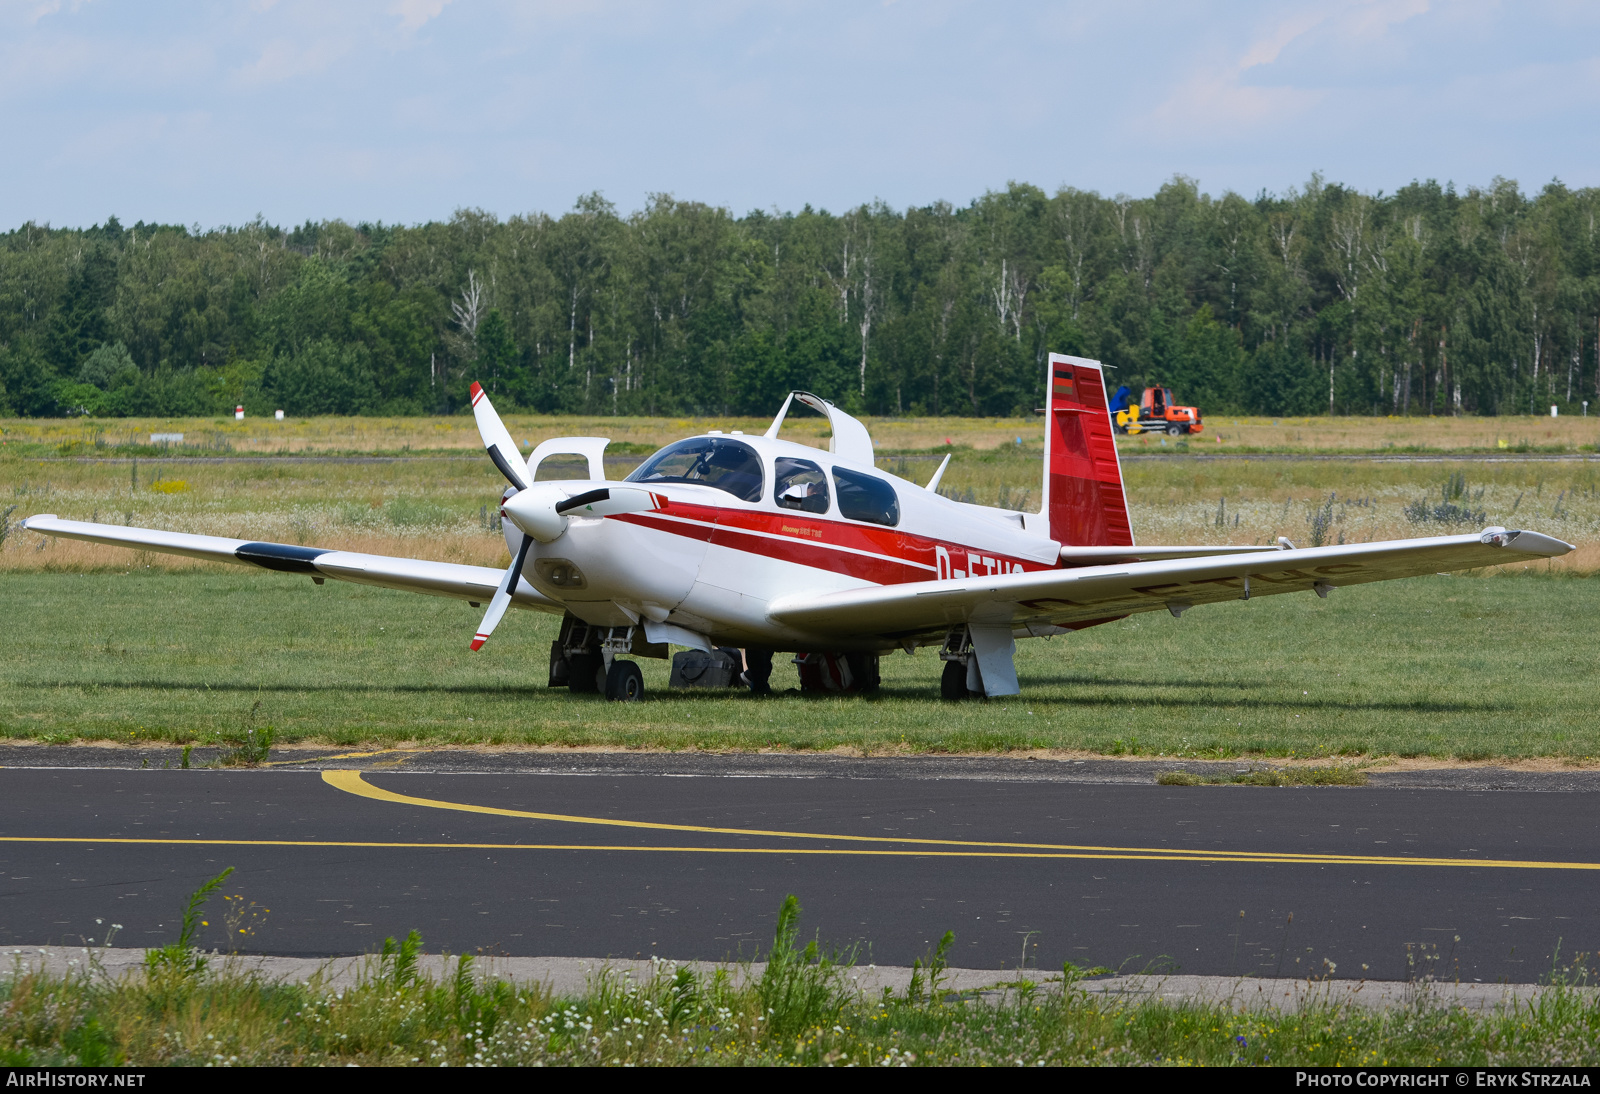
(707, 461)
(866, 497)
(799, 484)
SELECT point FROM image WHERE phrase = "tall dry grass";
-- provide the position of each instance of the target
(1223, 433)
(442, 508)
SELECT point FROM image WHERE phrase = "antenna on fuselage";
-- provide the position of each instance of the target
(933, 483)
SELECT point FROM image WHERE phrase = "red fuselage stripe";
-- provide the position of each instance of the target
(892, 557)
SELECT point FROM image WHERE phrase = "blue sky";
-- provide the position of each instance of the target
(405, 110)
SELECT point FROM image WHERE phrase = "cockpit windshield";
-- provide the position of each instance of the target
(706, 461)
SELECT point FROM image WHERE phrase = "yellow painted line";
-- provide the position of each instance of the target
(1266, 858)
(343, 756)
(352, 782)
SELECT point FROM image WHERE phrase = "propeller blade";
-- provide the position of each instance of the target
(502, 597)
(497, 440)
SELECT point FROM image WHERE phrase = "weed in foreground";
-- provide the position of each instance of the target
(800, 988)
(182, 959)
(928, 972)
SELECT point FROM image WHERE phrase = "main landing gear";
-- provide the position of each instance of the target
(979, 661)
(953, 682)
(587, 660)
(962, 678)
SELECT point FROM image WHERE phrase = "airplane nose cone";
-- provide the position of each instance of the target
(534, 511)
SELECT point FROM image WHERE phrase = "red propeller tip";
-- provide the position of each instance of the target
(477, 392)
(477, 643)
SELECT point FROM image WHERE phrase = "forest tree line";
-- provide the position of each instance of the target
(1323, 299)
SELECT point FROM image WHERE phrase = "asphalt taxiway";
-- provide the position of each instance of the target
(1482, 875)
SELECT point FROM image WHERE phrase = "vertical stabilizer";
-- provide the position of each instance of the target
(1083, 496)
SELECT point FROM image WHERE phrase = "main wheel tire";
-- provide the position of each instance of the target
(624, 682)
(953, 682)
(1173, 429)
(585, 674)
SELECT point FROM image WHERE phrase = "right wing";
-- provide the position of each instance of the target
(1084, 595)
(471, 583)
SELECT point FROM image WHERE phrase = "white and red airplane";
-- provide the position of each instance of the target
(762, 544)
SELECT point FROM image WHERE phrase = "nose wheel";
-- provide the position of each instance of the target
(624, 682)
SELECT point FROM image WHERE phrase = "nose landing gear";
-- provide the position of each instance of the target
(585, 660)
(624, 682)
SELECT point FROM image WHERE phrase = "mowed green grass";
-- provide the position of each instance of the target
(1469, 667)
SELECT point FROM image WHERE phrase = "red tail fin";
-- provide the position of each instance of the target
(1083, 495)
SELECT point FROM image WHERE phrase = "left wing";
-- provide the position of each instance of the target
(471, 583)
(1094, 594)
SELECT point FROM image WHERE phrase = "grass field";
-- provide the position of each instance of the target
(1466, 667)
(639, 436)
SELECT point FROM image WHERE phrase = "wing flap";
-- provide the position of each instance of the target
(1093, 593)
(415, 575)
(1094, 556)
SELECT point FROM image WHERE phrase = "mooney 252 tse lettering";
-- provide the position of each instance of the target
(761, 544)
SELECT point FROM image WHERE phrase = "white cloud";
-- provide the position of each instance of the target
(416, 13)
(1215, 95)
(285, 58)
(1265, 49)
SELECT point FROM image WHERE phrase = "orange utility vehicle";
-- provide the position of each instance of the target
(1157, 414)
